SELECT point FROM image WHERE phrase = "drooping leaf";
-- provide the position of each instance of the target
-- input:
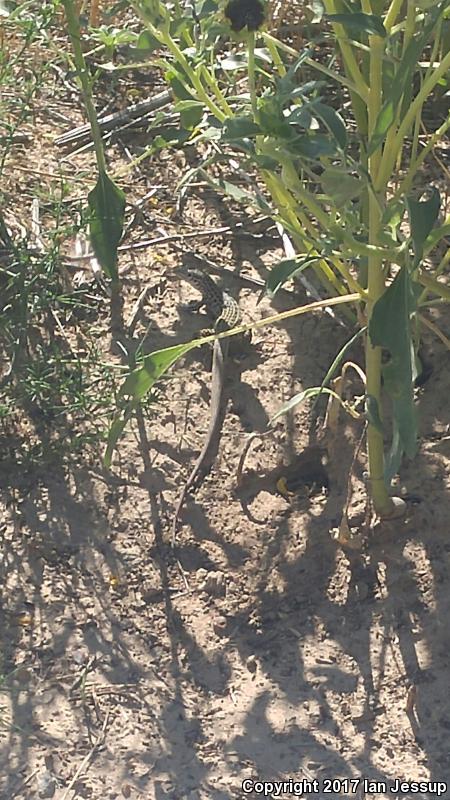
(332, 120)
(294, 401)
(285, 270)
(422, 217)
(359, 22)
(137, 385)
(390, 328)
(306, 394)
(340, 357)
(107, 206)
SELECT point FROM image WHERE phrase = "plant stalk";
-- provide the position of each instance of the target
(383, 504)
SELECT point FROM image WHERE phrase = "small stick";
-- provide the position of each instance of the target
(88, 757)
(25, 783)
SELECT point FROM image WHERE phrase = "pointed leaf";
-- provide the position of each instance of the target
(285, 270)
(137, 384)
(107, 206)
(332, 120)
(312, 391)
(390, 327)
(422, 217)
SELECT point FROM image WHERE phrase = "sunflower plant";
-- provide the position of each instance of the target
(336, 135)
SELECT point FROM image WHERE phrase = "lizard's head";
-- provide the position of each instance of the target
(192, 275)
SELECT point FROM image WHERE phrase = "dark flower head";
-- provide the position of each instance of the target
(245, 13)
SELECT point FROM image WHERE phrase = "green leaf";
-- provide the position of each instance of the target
(340, 186)
(332, 120)
(240, 128)
(137, 384)
(191, 118)
(285, 270)
(184, 105)
(361, 23)
(313, 391)
(393, 215)
(271, 119)
(238, 194)
(437, 234)
(312, 146)
(178, 81)
(191, 113)
(390, 327)
(340, 357)
(147, 42)
(107, 205)
(403, 78)
(306, 394)
(422, 217)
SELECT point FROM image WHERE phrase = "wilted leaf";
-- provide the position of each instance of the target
(313, 391)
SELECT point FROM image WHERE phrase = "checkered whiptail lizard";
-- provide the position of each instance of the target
(226, 314)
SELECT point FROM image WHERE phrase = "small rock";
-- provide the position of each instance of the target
(214, 584)
(220, 626)
(46, 784)
(251, 664)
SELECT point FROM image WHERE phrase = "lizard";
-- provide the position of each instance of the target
(226, 314)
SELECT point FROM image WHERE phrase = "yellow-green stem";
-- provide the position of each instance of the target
(73, 25)
(393, 12)
(251, 74)
(351, 65)
(382, 502)
(390, 156)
